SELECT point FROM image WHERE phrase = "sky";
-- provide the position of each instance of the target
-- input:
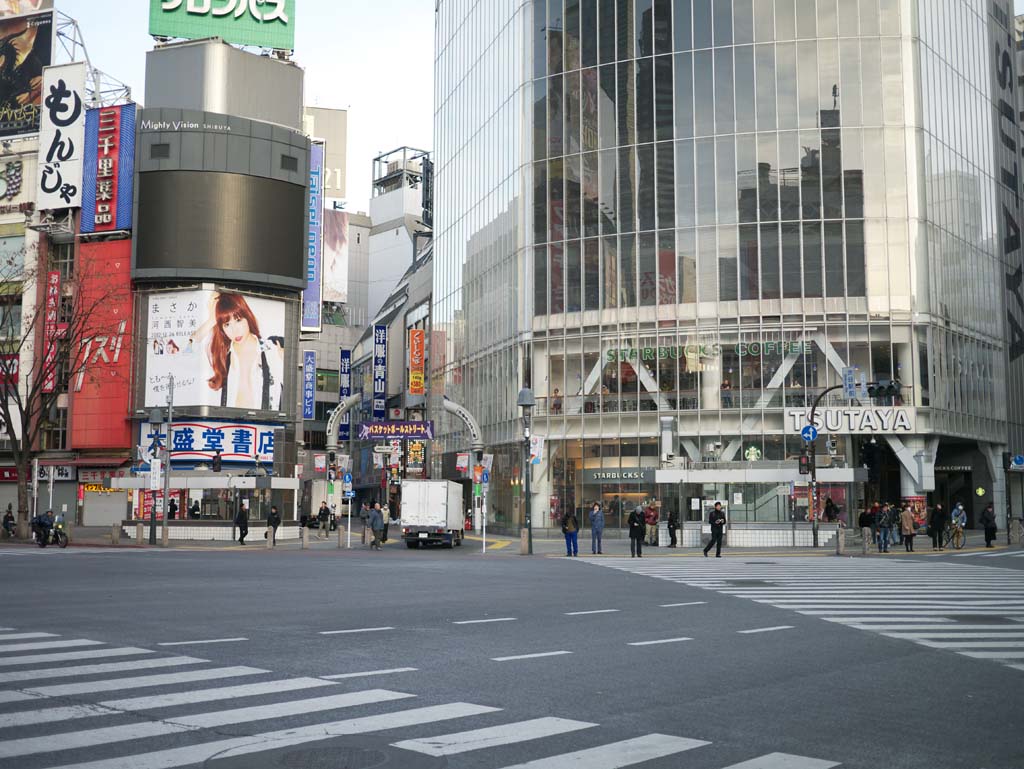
(372, 57)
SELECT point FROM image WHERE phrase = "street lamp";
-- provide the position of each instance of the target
(526, 402)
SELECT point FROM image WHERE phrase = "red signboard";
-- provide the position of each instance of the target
(102, 371)
(417, 343)
(50, 331)
(108, 153)
(9, 365)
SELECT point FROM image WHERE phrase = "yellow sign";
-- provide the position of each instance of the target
(100, 489)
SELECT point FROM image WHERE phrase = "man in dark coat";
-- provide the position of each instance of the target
(673, 525)
(988, 520)
(937, 526)
(717, 521)
(242, 522)
(637, 529)
(273, 521)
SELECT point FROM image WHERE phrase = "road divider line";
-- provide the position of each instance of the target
(618, 754)
(784, 761)
(368, 673)
(593, 611)
(355, 630)
(141, 682)
(688, 603)
(492, 736)
(766, 629)
(660, 641)
(529, 656)
(93, 670)
(206, 641)
(484, 621)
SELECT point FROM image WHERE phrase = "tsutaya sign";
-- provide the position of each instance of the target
(266, 23)
(711, 350)
(854, 421)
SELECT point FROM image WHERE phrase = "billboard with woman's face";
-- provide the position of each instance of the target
(223, 348)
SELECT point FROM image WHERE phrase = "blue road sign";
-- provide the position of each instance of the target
(809, 433)
(849, 382)
(1019, 460)
(347, 478)
(487, 477)
(350, 494)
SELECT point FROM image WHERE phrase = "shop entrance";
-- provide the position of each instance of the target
(952, 487)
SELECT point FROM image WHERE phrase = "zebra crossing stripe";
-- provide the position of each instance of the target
(141, 682)
(33, 659)
(39, 645)
(211, 695)
(52, 715)
(20, 636)
(91, 670)
(86, 739)
(284, 738)
(617, 754)
(492, 736)
(6, 697)
(784, 761)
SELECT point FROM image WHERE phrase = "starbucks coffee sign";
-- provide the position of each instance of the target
(263, 23)
(625, 475)
(856, 421)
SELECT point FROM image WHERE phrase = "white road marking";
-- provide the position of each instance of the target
(90, 670)
(208, 641)
(40, 645)
(595, 611)
(86, 739)
(141, 682)
(6, 697)
(995, 655)
(367, 673)
(52, 715)
(688, 603)
(766, 629)
(484, 621)
(617, 754)
(212, 695)
(662, 641)
(31, 659)
(290, 708)
(783, 761)
(241, 746)
(973, 645)
(20, 636)
(529, 656)
(937, 636)
(492, 736)
(355, 630)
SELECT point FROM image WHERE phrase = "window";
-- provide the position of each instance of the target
(289, 163)
(159, 151)
(326, 381)
(62, 259)
(53, 436)
(10, 317)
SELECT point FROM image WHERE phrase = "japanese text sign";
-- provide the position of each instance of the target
(380, 372)
(308, 384)
(107, 179)
(312, 296)
(200, 441)
(265, 23)
(417, 343)
(62, 137)
(51, 331)
(381, 431)
(344, 391)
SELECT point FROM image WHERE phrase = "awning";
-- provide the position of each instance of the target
(86, 462)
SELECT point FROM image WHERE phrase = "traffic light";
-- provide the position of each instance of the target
(805, 462)
(331, 457)
(884, 388)
(216, 462)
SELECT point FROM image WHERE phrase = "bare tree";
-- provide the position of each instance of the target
(51, 325)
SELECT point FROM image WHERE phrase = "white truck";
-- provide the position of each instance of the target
(432, 513)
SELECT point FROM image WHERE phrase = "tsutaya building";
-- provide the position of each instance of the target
(681, 220)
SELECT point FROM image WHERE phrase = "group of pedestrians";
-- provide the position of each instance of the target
(885, 525)
(643, 528)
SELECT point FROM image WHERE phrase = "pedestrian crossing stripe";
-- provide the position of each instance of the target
(975, 611)
(312, 701)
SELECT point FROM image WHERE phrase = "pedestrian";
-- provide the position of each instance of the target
(636, 533)
(193, 512)
(673, 526)
(885, 522)
(831, 511)
(875, 510)
(242, 521)
(651, 523)
(323, 515)
(376, 526)
(571, 531)
(866, 523)
(988, 520)
(273, 521)
(172, 509)
(385, 513)
(9, 522)
(907, 524)
(596, 528)
(717, 521)
(937, 526)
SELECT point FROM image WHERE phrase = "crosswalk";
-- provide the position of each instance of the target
(53, 551)
(163, 712)
(972, 611)
(1002, 553)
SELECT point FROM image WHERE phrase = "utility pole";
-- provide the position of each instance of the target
(167, 459)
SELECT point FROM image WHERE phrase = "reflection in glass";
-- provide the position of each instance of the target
(681, 24)
(747, 177)
(627, 184)
(705, 181)
(666, 267)
(703, 93)
(627, 271)
(627, 103)
(770, 276)
(765, 59)
(588, 35)
(789, 175)
(662, 26)
(831, 174)
(685, 185)
(684, 95)
(722, 11)
(727, 246)
(606, 31)
(686, 249)
(646, 173)
(573, 277)
(624, 36)
(785, 63)
(608, 178)
(726, 181)
(573, 211)
(647, 269)
(591, 274)
(849, 86)
(764, 21)
(725, 122)
(540, 280)
(743, 21)
(610, 254)
(591, 216)
(868, 17)
(785, 20)
(827, 18)
(707, 264)
(572, 113)
(666, 186)
(768, 176)
(645, 100)
(540, 202)
(855, 258)
(806, 13)
(748, 261)
(834, 271)
(701, 24)
(643, 29)
(605, 107)
(572, 34)
(812, 259)
(663, 98)
(792, 276)
(810, 174)
(557, 276)
(745, 88)
(807, 70)
(556, 197)
(540, 40)
(555, 115)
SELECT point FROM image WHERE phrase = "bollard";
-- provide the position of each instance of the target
(115, 534)
(270, 537)
(140, 536)
(341, 534)
(165, 536)
(840, 540)
(524, 542)
(305, 537)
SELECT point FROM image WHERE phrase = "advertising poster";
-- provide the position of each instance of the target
(194, 441)
(224, 349)
(417, 352)
(263, 23)
(312, 296)
(308, 384)
(380, 372)
(344, 391)
(21, 84)
(62, 137)
(51, 331)
(107, 178)
(335, 256)
(100, 386)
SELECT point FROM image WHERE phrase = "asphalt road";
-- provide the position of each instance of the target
(656, 663)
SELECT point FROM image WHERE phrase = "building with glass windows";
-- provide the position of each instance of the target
(690, 216)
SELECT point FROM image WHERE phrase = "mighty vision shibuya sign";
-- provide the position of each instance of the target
(264, 23)
(682, 351)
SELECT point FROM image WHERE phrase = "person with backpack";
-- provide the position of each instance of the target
(937, 526)
(885, 522)
(596, 528)
(717, 520)
(636, 532)
(571, 531)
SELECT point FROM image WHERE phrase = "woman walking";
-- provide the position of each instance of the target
(907, 528)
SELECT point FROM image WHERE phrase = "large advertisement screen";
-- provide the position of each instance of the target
(267, 23)
(26, 46)
(312, 297)
(335, 256)
(224, 349)
(195, 220)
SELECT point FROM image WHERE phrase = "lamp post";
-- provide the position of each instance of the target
(526, 402)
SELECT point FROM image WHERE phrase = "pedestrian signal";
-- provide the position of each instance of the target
(805, 463)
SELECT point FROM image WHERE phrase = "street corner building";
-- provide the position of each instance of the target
(679, 221)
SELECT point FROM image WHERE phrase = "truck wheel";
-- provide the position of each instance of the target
(458, 540)
(450, 541)
(412, 544)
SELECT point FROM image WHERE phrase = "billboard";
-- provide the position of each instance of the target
(308, 384)
(100, 386)
(30, 38)
(224, 349)
(9, 8)
(380, 372)
(62, 137)
(417, 352)
(267, 23)
(108, 175)
(344, 391)
(52, 330)
(312, 296)
(335, 256)
(193, 441)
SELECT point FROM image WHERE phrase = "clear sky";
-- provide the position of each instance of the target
(372, 57)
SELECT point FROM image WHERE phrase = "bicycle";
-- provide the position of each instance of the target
(954, 537)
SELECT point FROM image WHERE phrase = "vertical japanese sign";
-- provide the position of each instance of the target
(62, 137)
(50, 331)
(308, 384)
(380, 372)
(312, 296)
(107, 179)
(344, 391)
(417, 344)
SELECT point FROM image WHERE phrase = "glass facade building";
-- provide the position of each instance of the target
(693, 215)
